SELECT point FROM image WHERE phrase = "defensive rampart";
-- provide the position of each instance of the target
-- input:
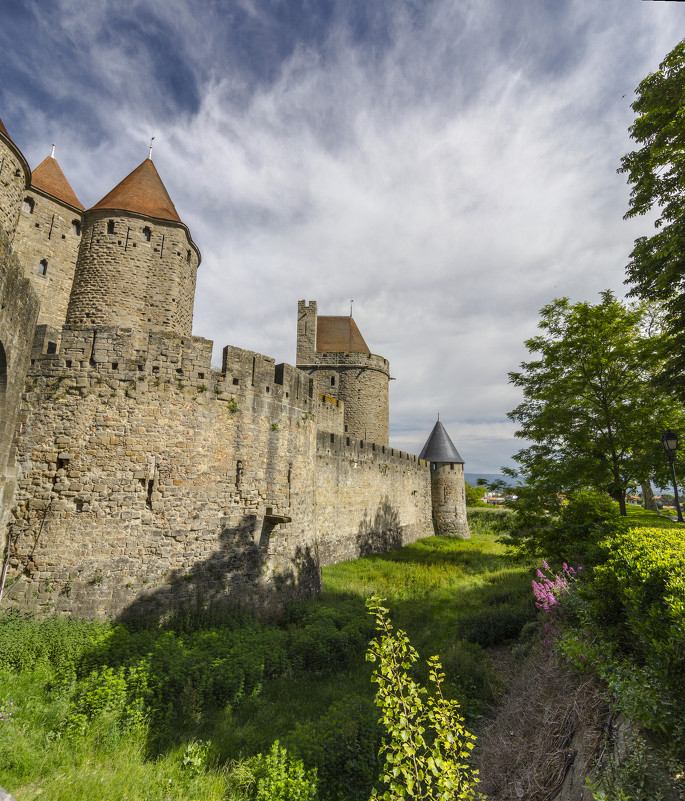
(148, 480)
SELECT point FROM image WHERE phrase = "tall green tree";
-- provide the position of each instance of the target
(590, 407)
(656, 171)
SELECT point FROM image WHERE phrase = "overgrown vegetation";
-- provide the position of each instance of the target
(192, 708)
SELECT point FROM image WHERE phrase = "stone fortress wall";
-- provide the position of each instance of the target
(15, 178)
(135, 476)
(47, 243)
(149, 479)
(18, 315)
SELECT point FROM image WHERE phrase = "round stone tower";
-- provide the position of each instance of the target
(15, 178)
(47, 240)
(137, 262)
(333, 351)
(448, 491)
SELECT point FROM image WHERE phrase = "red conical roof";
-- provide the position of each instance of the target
(141, 192)
(49, 178)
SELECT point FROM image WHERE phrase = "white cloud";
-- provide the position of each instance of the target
(451, 180)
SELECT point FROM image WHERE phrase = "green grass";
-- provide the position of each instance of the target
(239, 685)
(642, 518)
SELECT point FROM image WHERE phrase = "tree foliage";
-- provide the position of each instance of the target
(474, 495)
(656, 170)
(590, 407)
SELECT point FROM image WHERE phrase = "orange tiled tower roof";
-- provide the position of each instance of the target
(339, 335)
(49, 178)
(142, 192)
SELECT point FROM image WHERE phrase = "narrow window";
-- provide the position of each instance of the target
(110, 226)
(238, 472)
(147, 234)
(52, 348)
(76, 228)
(188, 256)
(451, 466)
(28, 205)
(332, 380)
(43, 267)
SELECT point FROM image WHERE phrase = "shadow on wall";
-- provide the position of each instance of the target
(239, 575)
(383, 533)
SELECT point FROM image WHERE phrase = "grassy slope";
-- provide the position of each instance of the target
(439, 590)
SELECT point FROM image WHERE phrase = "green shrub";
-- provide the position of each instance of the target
(343, 746)
(487, 519)
(572, 528)
(629, 627)
(284, 778)
(433, 767)
(495, 625)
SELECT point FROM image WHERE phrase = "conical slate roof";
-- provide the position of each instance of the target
(142, 192)
(439, 447)
(49, 178)
(339, 335)
(3, 130)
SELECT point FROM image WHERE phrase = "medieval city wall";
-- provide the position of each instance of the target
(147, 480)
(15, 176)
(370, 498)
(49, 231)
(18, 314)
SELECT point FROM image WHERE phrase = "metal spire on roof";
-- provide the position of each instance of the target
(52, 155)
(149, 155)
(351, 302)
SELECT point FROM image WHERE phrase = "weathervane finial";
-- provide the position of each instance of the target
(149, 155)
(52, 155)
(351, 302)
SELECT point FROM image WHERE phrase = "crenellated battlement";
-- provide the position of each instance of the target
(343, 445)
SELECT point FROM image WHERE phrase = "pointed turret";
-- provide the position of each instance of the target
(448, 491)
(49, 179)
(15, 176)
(439, 447)
(141, 192)
(137, 264)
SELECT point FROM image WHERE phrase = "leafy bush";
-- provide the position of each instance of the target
(343, 746)
(416, 767)
(628, 626)
(494, 625)
(574, 527)
(285, 778)
(487, 519)
(26, 642)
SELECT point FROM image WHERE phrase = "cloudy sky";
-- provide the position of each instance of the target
(449, 165)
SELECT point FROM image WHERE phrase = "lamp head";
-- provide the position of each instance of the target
(670, 442)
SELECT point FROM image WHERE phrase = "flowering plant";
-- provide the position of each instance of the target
(6, 711)
(548, 591)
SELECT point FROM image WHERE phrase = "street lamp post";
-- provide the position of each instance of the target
(670, 442)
